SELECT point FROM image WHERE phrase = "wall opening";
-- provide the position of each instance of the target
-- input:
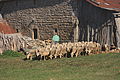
(35, 33)
(17, 30)
(56, 30)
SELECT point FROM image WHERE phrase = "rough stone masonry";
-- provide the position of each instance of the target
(44, 16)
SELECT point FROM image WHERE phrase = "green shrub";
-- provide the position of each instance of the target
(11, 53)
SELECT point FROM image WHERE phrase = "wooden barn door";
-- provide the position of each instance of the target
(117, 20)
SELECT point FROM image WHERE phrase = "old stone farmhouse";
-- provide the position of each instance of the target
(73, 20)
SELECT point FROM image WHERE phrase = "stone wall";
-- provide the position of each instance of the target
(43, 15)
(95, 24)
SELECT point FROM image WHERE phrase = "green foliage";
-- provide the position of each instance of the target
(10, 53)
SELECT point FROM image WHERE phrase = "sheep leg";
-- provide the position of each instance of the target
(31, 57)
(87, 53)
(44, 58)
(72, 54)
(66, 55)
(76, 54)
(28, 56)
(41, 57)
(55, 56)
(51, 56)
(60, 56)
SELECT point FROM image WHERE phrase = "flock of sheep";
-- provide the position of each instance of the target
(63, 50)
(47, 50)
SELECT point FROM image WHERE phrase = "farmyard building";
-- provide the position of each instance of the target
(73, 20)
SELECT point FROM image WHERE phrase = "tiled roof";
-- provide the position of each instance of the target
(107, 4)
(5, 28)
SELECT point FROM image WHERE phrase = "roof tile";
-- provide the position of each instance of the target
(107, 4)
(6, 29)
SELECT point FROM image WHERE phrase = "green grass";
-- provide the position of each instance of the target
(94, 67)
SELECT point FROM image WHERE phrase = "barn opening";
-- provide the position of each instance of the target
(17, 30)
(56, 30)
(35, 33)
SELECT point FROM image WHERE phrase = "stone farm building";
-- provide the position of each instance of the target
(73, 20)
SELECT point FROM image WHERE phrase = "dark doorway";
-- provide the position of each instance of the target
(17, 30)
(56, 30)
(35, 33)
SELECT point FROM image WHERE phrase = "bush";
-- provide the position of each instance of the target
(11, 53)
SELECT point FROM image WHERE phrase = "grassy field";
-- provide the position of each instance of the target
(94, 67)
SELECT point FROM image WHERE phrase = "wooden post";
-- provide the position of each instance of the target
(117, 20)
(32, 35)
(76, 28)
(88, 31)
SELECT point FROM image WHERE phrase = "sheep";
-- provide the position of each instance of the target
(60, 50)
(43, 52)
(79, 50)
(92, 48)
(30, 56)
(74, 50)
(52, 51)
(69, 47)
(64, 49)
(30, 53)
(105, 47)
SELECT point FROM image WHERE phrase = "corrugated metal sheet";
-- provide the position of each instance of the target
(6, 29)
(2, 0)
(107, 4)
